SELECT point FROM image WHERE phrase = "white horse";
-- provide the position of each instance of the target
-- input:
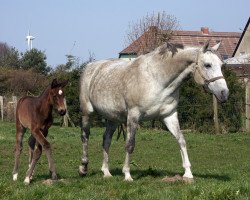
(142, 89)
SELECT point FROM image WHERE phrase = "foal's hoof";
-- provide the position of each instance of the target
(53, 176)
(82, 172)
(15, 177)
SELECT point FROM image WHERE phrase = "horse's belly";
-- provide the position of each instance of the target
(114, 111)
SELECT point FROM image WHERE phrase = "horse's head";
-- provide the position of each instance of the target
(57, 96)
(208, 72)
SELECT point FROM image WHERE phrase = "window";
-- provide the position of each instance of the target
(224, 57)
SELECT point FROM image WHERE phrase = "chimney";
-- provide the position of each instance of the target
(205, 30)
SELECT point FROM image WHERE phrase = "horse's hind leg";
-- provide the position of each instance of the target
(20, 130)
(85, 137)
(107, 137)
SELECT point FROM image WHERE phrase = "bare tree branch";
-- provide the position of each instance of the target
(151, 31)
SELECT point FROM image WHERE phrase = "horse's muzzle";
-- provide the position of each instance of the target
(222, 96)
(62, 112)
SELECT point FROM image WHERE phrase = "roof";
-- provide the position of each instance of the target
(197, 38)
(242, 36)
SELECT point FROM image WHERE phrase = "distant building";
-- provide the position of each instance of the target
(240, 62)
(243, 46)
(194, 38)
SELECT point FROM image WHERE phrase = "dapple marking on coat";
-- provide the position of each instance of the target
(35, 113)
(142, 89)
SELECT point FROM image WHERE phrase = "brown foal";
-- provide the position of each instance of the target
(35, 113)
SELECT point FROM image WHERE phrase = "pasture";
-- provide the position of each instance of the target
(220, 165)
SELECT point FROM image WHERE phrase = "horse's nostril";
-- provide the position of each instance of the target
(224, 95)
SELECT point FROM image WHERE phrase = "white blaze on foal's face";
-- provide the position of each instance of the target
(60, 92)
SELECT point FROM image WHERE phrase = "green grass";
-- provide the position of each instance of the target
(220, 164)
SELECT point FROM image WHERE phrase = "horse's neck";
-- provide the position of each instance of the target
(171, 70)
(44, 103)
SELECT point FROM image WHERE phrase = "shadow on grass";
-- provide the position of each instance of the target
(139, 174)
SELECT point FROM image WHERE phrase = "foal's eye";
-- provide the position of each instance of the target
(207, 66)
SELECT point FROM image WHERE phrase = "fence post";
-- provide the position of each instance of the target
(248, 107)
(14, 100)
(1, 106)
(216, 119)
(65, 117)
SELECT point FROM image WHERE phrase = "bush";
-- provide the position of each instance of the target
(196, 107)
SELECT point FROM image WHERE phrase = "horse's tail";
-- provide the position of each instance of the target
(121, 130)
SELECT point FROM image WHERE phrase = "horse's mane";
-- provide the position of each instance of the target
(170, 47)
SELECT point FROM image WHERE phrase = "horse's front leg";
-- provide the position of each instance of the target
(83, 169)
(132, 122)
(173, 126)
(107, 137)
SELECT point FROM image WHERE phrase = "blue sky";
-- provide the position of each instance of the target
(100, 26)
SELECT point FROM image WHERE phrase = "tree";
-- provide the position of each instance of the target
(9, 56)
(35, 60)
(151, 31)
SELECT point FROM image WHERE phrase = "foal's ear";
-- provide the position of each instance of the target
(54, 83)
(206, 46)
(64, 83)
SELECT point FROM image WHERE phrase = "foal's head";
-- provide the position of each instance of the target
(57, 96)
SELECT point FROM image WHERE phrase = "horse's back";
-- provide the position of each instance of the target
(102, 87)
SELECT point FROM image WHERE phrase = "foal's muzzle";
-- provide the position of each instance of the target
(62, 112)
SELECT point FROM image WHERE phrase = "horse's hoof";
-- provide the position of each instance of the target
(188, 180)
(107, 176)
(82, 172)
(129, 179)
(27, 181)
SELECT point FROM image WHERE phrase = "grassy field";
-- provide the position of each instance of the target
(220, 164)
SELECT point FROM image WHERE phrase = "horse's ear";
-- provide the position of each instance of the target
(54, 83)
(216, 47)
(206, 46)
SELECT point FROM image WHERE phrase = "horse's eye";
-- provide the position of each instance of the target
(207, 66)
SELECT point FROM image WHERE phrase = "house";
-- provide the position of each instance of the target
(193, 38)
(240, 62)
(243, 46)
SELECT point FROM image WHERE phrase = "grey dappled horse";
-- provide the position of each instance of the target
(143, 89)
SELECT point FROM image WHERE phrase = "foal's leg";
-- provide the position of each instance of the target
(132, 122)
(40, 138)
(85, 137)
(20, 130)
(172, 123)
(107, 137)
(37, 152)
(32, 143)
